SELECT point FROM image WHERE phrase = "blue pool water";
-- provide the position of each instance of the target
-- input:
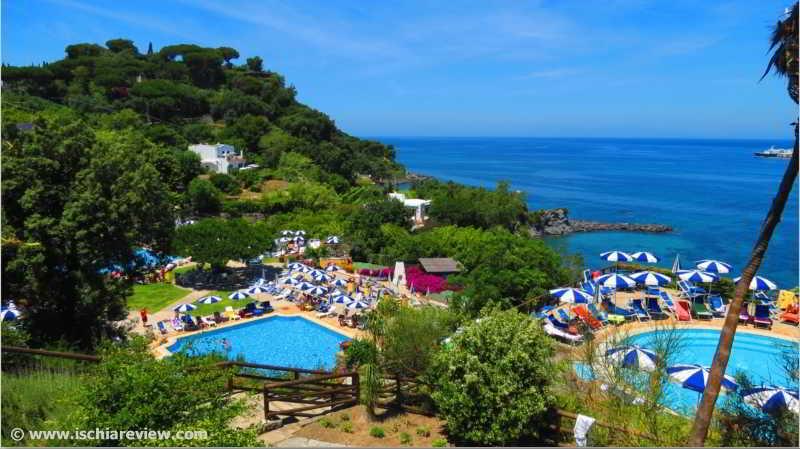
(715, 193)
(759, 357)
(282, 341)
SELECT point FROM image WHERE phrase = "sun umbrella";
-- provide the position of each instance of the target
(342, 299)
(332, 240)
(616, 256)
(209, 300)
(287, 232)
(256, 289)
(297, 266)
(571, 295)
(676, 265)
(301, 232)
(339, 283)
(333, 267)
(317, 272)
(183, 308)
(772, 399)
(237, 295)
(695, 377)
(356, 305)
(633, 356)
(697, 276)
(651, 278)
(9, 314)
(290, 281)
(305, 286)
(759, 283)
(714, 266)
(284, 239)
(299, 239)
(317, 291)
(322, 277)
(644, 256)
(615, 281)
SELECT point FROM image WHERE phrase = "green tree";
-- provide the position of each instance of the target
(785, 63)
(203, 197)
(76, 205)
(255, 64)
(493, 383)
(364, 226)
(215, 241)
(225, 183)
(120, 45)
(131, 390)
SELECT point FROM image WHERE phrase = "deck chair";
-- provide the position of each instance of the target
(176, 324)
(613, 309)
(598, 314)
(652, 291)
(208, 321)
(231, 314)
(686, 290)
(700, 311)
(717, 306)
(564, 315)
(654, 309)
(555, 332)
(557, 323)
(667, 300)
(683, 310)
(639, 310)
(582, 313)
(744, 314)
(790, 315)
(162, 328)
(761, 317)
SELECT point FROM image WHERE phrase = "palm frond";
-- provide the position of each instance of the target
(784, 48)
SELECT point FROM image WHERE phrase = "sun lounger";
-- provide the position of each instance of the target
(588, 287)
(564, 316)
(683, 310)
(639, 310)
(786, 298)
(553, 331)
(266, 306)
(717, 306)
(253, 310)
(613, 309)
(557, 323)
(667, 300)
(219, 318)
(652, 291)
(654, 309)
(162, 328)
(761, 317)
(230, 314)
(599, 314)
(686, 290)
(744, 314)
(790, 315)
(582, 313)
(189, 324)
(695, 289)
(208, 321)
(700, 311)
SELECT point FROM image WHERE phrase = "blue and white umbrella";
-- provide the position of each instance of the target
(300, 276)
(9, 314)
(759, 283)
(339, 283)
(317, 272)
(333, 267)
(571, 295)
(342, 299)
(332, 240)
(633, 356)
(317, 291)
(615, 281)
(323, 277)
(300, 232)
(299, 239)
(651, 278)
(697, 276)
(237, 295)
(357, 305)
(695, 377)
(209, 300)
(305, 286)
(616, 256)
(714, 266)
(287, 232)
(297, 266)
(183, 308)
(284, 240)
(772, 399)
(256, 289)
(290, 281)
(644, 256)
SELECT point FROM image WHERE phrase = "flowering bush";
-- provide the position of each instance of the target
(424, 282)
(384, 272)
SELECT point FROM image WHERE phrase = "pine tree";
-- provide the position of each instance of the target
(149, 49)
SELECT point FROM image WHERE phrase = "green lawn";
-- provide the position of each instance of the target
(155, 296)
(366, 265)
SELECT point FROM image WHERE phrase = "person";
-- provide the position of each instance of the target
(226, 345)
(143, 314)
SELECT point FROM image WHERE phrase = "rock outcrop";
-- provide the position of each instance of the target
(557, 222)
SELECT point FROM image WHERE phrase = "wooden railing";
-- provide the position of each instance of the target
(558, 415)
(404, 393)
(316, 395)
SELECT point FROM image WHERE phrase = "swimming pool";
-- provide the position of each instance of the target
(277, 340)
(758, 356)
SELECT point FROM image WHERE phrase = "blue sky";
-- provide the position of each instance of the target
(630, 68)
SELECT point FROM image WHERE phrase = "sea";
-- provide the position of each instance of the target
(714, 193)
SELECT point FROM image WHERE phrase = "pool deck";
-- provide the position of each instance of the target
(282, 308)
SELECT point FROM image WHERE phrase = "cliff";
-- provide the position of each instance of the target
(557, 222)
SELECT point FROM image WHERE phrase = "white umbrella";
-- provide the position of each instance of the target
(339, 283)
(714, 266)
(695, 377)
(615, 281)
(322, 277)
(633, 356)
(300, 232)
(317, 291)
(356, 305)
(332, 240)
(183, 308)
(616, 256)
(772, 399)
(209, 300)
(256, 289)
(9, 314)
(289, 281)
(342, 299)
(237, 295)
(333, 267)
(759, 283)
(697, 276)
(571, 295)
(644, 256)
(287, 232)
(650, 278)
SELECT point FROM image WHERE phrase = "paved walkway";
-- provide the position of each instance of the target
(305, 442)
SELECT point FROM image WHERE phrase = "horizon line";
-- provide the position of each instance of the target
(431, 136)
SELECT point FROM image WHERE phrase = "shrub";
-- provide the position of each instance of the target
(326, 423)
(346, 427)
(360, 352)
(494, 382)
(424, 282)
(423, 431)
(344, 417)
(439, 442)
(405, 438)
(377, 432)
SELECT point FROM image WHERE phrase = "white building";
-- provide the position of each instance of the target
(417, 204)
(219, 157)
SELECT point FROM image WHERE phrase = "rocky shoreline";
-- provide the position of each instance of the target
(557, 222)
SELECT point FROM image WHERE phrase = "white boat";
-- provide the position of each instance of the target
(775, 152)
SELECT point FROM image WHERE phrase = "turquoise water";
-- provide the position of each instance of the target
(759, 357)
(281, 341)
(715, 193)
